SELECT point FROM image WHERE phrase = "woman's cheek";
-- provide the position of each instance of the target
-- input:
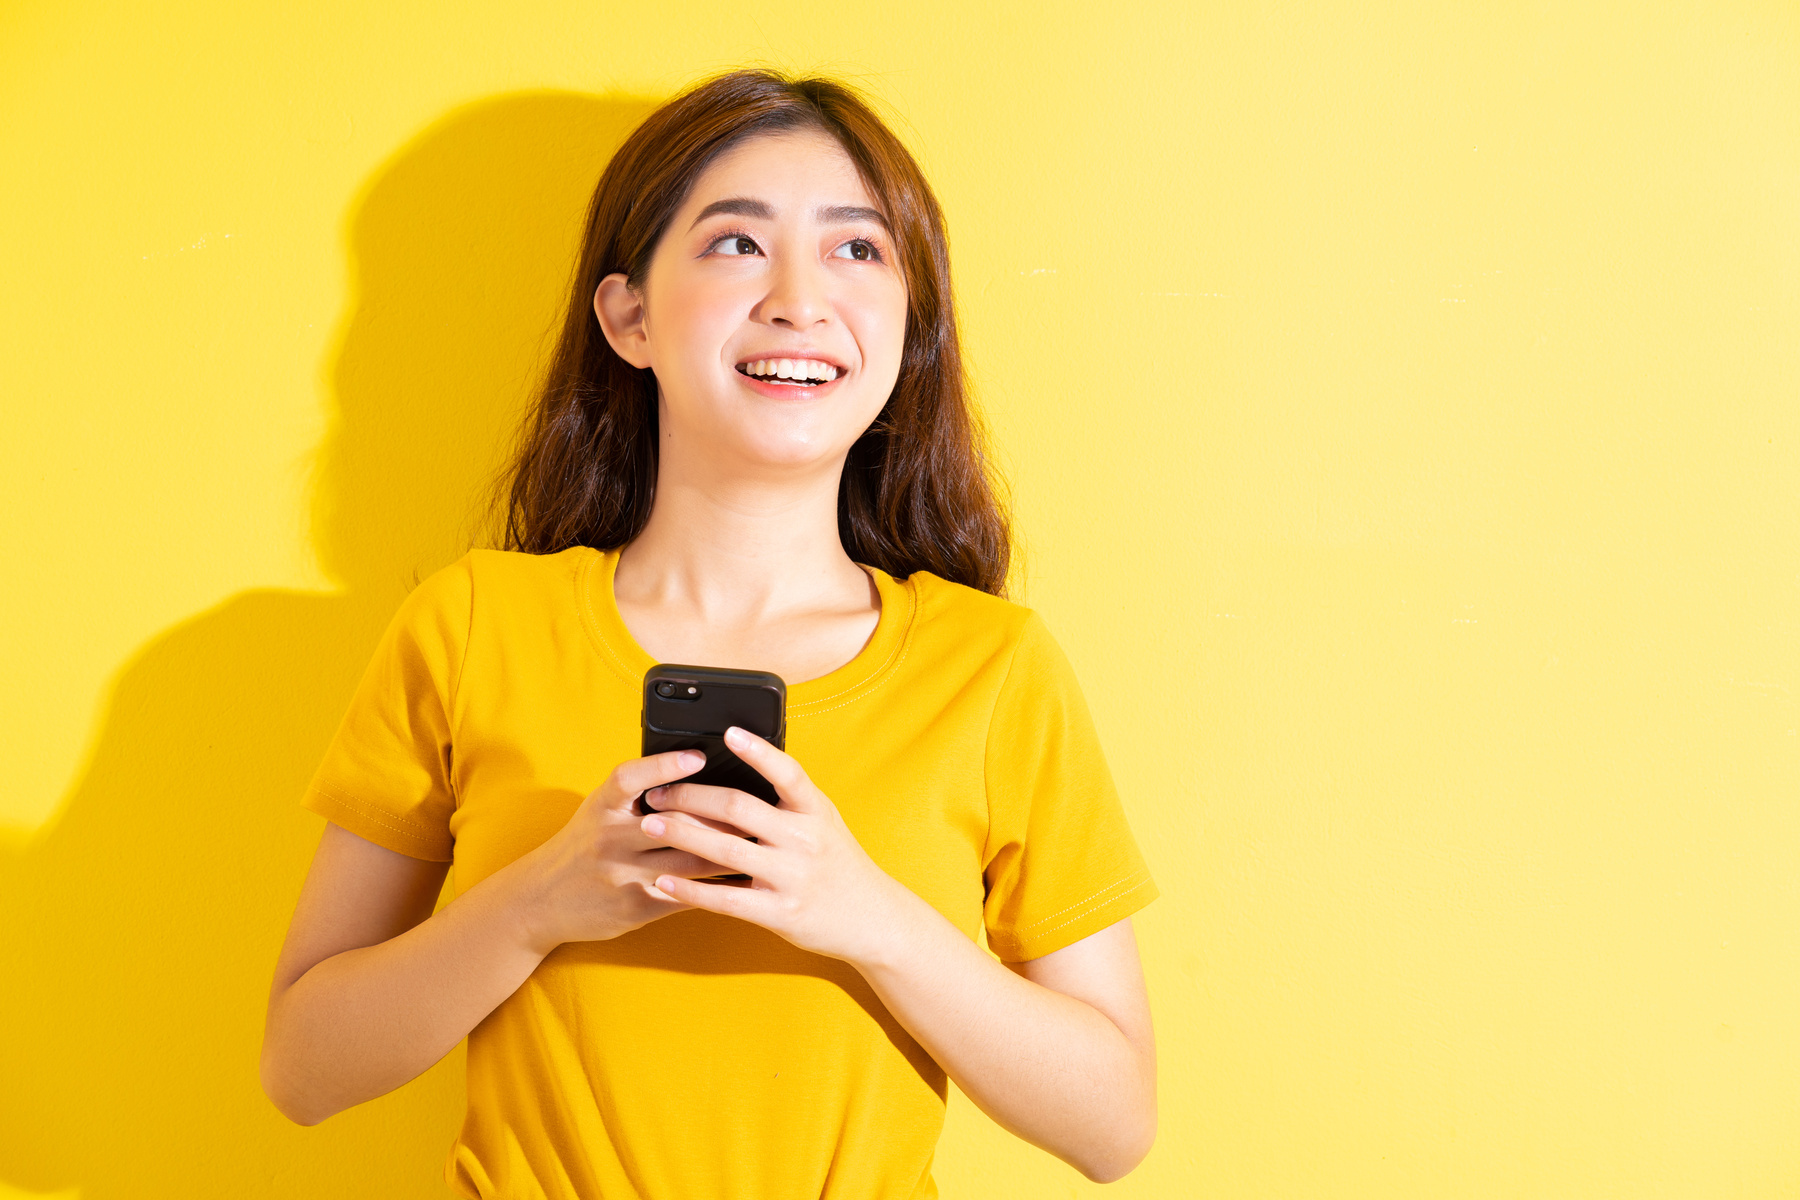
(878, 324)
(694, 317)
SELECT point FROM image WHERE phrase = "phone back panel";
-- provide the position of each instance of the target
(703, 702)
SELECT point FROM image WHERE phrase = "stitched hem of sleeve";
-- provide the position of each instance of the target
(987, 744)
(384, 830)
(1106, 907)
(453, 714)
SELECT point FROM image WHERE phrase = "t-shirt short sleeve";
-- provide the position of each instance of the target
(387, 773)
(1060, 860)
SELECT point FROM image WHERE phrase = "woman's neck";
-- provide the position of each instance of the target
(745, 572)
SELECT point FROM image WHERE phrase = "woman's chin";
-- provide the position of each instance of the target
(760, 442)
(758, 456)
(797, 457)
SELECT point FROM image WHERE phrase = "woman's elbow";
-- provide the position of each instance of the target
(1121, 1156)
(279, 1086)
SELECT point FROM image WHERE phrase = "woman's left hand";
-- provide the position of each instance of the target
(811, 882)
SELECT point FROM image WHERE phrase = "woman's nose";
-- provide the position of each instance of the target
(796, 298)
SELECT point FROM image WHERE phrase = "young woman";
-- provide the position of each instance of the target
(752, 451)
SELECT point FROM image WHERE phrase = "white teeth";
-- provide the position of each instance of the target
(792, 368)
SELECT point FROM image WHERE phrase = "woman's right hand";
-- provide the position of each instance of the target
(596, 877)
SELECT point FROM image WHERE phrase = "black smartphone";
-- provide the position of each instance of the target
(690, 708)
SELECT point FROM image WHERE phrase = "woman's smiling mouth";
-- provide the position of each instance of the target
(789, 372)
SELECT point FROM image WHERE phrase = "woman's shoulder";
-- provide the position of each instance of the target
(511, 577)
(968, 615)
(517, 569)
(960, 630)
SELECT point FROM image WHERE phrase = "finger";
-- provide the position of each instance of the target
(728, 806)
(636, 839)
(668, 861)
(660, 898)
(703, 822)
(632, 779)
(733, 853)
(748, 904)
(647, 803)
(779, 768)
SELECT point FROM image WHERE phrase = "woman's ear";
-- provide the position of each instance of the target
(621, 313)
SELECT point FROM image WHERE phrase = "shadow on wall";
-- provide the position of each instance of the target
(141, 929)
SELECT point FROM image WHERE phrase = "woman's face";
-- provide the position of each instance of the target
(773, 311)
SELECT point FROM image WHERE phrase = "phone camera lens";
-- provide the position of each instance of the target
(665, 689)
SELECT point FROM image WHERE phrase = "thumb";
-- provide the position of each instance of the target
(632, 779)
(779, 768)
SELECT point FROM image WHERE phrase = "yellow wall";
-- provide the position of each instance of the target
(1401, 403)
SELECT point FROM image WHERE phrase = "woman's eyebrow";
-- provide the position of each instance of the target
(825, 214)
(835, 214)
(736, 206)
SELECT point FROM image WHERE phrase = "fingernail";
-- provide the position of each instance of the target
(736, 738)
(665, 885)
(693, 760)
(654, 826)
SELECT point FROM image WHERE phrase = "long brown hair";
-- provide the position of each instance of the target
(916, 493)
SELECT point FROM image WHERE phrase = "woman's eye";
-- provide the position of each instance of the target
(735, 244)
(858, 249)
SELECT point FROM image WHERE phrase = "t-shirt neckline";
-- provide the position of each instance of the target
(872, 664)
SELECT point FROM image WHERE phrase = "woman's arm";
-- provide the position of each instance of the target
(1058, 1050)
(1060, 1053)
(372, 988)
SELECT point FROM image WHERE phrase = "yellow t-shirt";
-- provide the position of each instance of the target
(701, 1056)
